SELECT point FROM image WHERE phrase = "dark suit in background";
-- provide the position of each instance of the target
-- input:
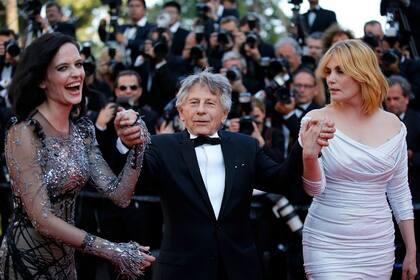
(195, 244)
(323, 19)
(178, 41)
(65, 28)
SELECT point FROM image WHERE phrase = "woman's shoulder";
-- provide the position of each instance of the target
(389, 121)
(319, 113)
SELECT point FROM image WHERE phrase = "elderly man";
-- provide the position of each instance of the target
(205, 177)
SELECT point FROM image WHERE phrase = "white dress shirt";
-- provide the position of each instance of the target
(212, 169)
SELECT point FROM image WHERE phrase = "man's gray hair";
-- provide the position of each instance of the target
(291, 41)
(404, 84)
(234, 55)
(217, 84)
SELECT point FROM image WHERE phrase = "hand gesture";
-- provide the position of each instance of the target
(133, 259)
(105, 115)
(129, 133)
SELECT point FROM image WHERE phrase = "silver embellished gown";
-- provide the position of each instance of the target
(51, 167)
(349, 232)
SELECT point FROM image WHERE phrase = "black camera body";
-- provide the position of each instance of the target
(197, 52)
(295, 2)
(201, 10)
(252, 39)
(32, 8)
(233, 73)
(246, 125)
(224, 38)
(12, 48)
(277, 71)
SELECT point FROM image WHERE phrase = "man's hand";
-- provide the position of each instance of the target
(314, 135)
(105, 116)
(257, 135)
(165, 128)
(129, 133)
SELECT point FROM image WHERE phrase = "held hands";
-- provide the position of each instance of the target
(129, 133)
(133, 259)
(314, 135)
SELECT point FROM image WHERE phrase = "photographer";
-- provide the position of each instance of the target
(54, 21)
(179, 34)
(131, 36)
(9, 58)
(160, 76)
(403, 20)
(393, 63)
(289, 49)
(304, 89)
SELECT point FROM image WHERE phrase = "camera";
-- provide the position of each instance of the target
(252, 20)
(114, 67)
(201, 10)
(252, 39)
(123, 101)
(283, 209)
(197, 52)
(32, 8)
(224, 38)
(390, 56)
(233, 73)
(246, 125)
(12, 48)
(276, 70)
(199, 33)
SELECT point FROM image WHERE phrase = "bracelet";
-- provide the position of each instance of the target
(88, 242)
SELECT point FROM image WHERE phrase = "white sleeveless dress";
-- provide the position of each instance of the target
(349, 232)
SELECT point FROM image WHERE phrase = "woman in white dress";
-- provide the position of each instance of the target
(349, 232)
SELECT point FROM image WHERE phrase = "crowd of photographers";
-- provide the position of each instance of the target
(273, 87)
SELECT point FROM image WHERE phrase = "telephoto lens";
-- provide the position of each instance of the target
(283, 209)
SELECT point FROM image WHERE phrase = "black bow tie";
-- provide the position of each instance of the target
(201, 140)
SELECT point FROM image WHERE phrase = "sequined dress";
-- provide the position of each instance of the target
(51, 167)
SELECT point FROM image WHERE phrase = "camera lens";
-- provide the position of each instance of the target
(12, 48)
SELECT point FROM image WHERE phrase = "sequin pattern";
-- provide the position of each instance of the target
(47, 172)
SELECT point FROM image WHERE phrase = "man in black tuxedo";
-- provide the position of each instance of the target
(397, 101)
(205, 177)
(132, 35)
(317, 18)
(179, 34)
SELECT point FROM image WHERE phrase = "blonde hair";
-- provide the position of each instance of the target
(357, 60)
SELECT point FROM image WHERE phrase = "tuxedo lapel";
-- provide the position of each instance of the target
(190, 158)
(228, 150)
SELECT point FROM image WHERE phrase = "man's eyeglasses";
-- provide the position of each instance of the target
(303, 86)
(124, 88)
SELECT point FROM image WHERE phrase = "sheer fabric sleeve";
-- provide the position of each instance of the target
(313, 188)
(119, 188)
(23, 157)
(398, 191)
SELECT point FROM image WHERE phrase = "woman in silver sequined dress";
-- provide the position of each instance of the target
(51, 153)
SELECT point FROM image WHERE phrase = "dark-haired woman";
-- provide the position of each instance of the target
(51, 153)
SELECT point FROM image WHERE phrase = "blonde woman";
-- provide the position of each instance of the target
(349, 232)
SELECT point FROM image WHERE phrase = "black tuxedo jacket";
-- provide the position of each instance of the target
(178, 41)
(142, 34)
(412, 122)
(65, 28)
(324, 18)
(195, 244)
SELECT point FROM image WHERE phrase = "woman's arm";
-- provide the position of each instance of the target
(119, 189)
(23, 160)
